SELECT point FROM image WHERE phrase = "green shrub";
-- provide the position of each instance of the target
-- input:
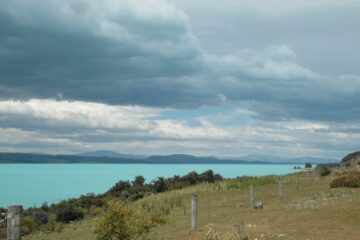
(38, 215)
(66, 213)
(89, 200)
(29, 225)
(123, 223)
(119, 187)
(323, 171)
(308, 165)
(160, 184)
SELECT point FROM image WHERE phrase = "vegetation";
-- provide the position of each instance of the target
(66, 213)
(161, 209)
(350, 156)
(213, 234)
(305, 212)
(125, 190)
(308, 165)
(121, 222)
(323, 171)
(350, 179)
(224, 204)
(51, 218)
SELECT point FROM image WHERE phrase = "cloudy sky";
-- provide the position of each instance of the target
(221, 77)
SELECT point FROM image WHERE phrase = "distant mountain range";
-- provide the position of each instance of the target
(103, 156)
(171, 159)
(278, 159)
(111, 154)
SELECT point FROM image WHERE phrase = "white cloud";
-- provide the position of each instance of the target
(123, 119)
(134, 129)
(77, 113)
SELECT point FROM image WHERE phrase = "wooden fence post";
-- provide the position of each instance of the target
(240, 227)
(14, 219)
(281, 189)
(308, 175)
(297, 182)
(251, 197)
(194, 201)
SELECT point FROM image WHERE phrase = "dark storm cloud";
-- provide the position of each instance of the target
(43, 55)
(124, 52)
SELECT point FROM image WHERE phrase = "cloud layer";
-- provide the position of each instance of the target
(67, 127)
(106, 74)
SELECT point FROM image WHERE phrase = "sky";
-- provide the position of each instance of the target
(224, 78)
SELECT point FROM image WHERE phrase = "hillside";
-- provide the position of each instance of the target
(352, 159)
(307, 210)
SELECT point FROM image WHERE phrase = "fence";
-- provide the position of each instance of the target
(288, 193)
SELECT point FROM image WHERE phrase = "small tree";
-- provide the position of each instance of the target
(308, 165)
(323, 171)
(160, 184)
(139, 181)
(122, 223)
(119, 187)
(66, 213)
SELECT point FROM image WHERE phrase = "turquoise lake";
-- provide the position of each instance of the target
(34, 184)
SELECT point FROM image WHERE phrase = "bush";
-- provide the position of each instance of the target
(45, 207)
(119, 187)
(38, 215)
(139, 181)
(191, 178)
(308, 165)
(209, 176)
(29, 225)
(125, 190)
(160, 185)
(89, 200)
(66, 213)
(323, 171)
(348, 179)
(122, 223)
(2, 213)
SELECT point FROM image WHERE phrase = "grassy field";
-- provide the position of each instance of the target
(308, 210)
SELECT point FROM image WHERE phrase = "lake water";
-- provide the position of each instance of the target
(34, 184)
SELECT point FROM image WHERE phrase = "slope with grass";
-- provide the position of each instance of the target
(309, 209)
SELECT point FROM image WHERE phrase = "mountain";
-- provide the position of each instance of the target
(169, 159)
(183, 158)
(110, 154)
(47, 158)
(298, 160)
(103, 156)
(316, 160)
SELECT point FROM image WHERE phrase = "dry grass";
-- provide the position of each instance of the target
(314, 211)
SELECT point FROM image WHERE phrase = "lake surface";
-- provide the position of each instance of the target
(34, 184)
